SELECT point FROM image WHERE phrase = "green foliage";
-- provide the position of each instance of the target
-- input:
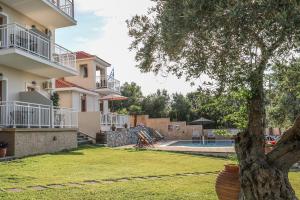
(133, 92)
(135, 109)
(180, 108)
(135, 97)
(55, 99)
(283, 95)
(221, 132)
(231, 41)
(123, 111)
(156, 105)
(226, 109)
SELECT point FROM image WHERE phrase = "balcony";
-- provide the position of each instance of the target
(109, 119)
(49, 13)
(17, 114)
(107, 85)
(29, 51)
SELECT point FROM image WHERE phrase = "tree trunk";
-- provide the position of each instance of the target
(261, 178)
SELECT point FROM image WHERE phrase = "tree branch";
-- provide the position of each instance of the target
(277, 43)
(287, 150)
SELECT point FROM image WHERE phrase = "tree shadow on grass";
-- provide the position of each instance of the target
(78, 151)
(225, 157)
(15, 179)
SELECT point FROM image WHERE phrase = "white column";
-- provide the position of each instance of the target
(105, 107)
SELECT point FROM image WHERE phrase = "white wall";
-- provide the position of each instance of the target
(92, 101)
(76, 104)
(18, 80)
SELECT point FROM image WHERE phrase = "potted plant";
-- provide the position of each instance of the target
(113, 127)
(3, 149)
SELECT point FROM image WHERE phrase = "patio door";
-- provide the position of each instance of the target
(3, 21)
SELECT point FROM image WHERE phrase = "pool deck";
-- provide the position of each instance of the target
(165, 146)
(213, 151)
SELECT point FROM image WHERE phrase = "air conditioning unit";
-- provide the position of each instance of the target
(48, 85)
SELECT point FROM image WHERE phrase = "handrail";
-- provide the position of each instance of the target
(108, 82)
(26, 103)
(17, 36)
(67, 7)
(24, 114)
(26, 29)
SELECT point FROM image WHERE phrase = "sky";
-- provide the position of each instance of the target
(101, 30)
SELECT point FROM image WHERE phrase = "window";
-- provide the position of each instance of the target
(83, 103)
(84, 71)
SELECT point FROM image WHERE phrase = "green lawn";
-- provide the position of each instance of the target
(102, 164)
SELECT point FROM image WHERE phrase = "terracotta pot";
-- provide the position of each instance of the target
(3, 152)
(228, 183)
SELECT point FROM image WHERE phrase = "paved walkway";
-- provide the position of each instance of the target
(104, 181)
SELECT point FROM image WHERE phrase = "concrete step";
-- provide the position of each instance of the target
(83, 139)
(83, 142)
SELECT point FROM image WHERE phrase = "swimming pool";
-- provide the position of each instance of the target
(205, 143)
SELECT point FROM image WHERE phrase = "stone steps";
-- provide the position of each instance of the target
(83, 139)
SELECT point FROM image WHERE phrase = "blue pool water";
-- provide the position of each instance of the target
(206, 143)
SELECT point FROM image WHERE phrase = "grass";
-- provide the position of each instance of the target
(103, 163)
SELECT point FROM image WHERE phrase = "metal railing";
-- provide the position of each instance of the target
(64, 57)
(18, 114)
(16, 36)
(65, 118)
(107, 82)
(67, 6)
(117, 120)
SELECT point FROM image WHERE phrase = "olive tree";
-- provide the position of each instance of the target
(234, 42)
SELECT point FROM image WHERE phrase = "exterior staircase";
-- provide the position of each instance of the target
(83, 139)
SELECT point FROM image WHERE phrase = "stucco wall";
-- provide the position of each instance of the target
(72, 99)
(25, 142)
(17, 81)
(89, 123)
(171, 130)
(90, 81)
(17, 17)
(65, 99)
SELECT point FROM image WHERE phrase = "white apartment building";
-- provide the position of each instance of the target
(30, 61)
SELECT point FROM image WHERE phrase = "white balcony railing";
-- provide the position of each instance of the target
(65, 118)
(17, 114)
(16, 36)
(107, 82)
(67, 6)
(114, 119)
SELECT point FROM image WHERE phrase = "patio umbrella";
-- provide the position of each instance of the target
(114, 97)
(202, 121)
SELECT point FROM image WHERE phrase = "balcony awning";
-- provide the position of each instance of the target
(114, 97)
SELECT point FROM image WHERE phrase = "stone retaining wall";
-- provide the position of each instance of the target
(120, 138)
(27, 141)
